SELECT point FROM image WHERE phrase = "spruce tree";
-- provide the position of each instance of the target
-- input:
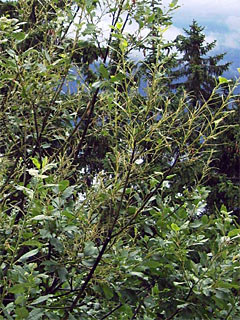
(197, 70)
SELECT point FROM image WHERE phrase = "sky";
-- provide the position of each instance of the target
(221, 19)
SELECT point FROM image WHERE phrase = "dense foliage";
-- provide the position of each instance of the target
(92, 224)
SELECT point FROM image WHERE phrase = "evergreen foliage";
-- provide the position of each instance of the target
(198, 72)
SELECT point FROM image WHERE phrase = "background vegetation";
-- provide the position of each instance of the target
(117, 201)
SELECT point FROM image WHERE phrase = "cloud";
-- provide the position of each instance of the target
(219, 17)
(233, 23)
(230, 35)
(206, 8)
(231, 42)
(172, 32)
(212, 36)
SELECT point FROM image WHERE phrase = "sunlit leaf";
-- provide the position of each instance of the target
(222, 80)
(175, 227)
(173, 3)
(234, 233)
(36, 162)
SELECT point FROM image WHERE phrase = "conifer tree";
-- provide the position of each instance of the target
(197, 70)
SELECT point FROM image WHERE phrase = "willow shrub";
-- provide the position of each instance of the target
(92, 224)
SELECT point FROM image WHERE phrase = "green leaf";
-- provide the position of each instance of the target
(50, 263)
(47, 56)
(183, 305)
(20, 299)
(222, 80)
(107, 291)
(103, 71)
(68, 192)
(126, 310)
(19, 35)
(62, 273)
(223, 209)
(118, 78)
(88, 263)
(36, 162)
(116, 35)
(196, 224)
(170, 176)
(11, 53)
(36, 314)
(182, 213)
(90, 250)
(63, 185)
(124, 43)
(42, 217)
(18, 288)
(98, 84)
(27, 191)
(57, 244)
(149, 302)
(41, 299)
(44, 161)
(28, 255)
(132, 210)
(68, 214)
(173, 3)
(7, 315)
(21, 312)
(32, 243)
(227, 285)
(138, 274)
(204, 219)
(7, 76)
(4, 41)
(233, 232)
(119, 25)
(152, 264)
(35, 173)
(175, 227)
